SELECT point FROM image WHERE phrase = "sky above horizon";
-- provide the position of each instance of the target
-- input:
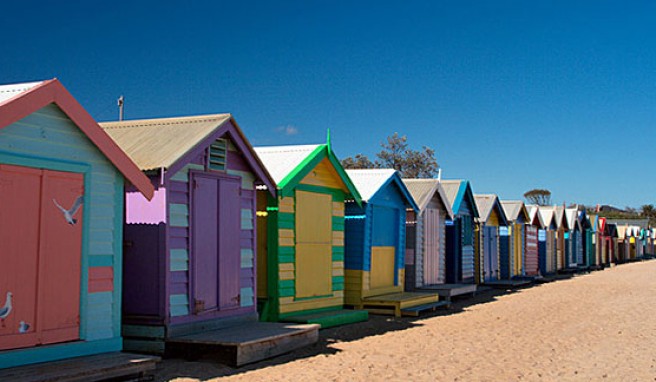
(511, 95)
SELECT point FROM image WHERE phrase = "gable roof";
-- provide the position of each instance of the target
(423, 190)
(165, 142)
(289, 164)
(547, 216)
(561, 218)
(513, 209)
(486, 203)
(572, 214)
(370, 181)
(534, 215)
(20, 100)
(456, 191)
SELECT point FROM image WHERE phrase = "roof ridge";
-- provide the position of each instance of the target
(157, 121)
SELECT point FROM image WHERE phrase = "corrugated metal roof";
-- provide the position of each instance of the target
(571, 214)
(156, 143)
(484, 203)
(512, 208)
(10, 91)
(422, 190)
(369, 181)
(547, 215)
(642, 223)
(451, 188)
(282, 160)
(534, 214)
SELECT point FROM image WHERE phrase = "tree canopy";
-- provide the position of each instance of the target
(396, 154)
(541, 197)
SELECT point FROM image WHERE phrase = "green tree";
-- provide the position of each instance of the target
(396, 154)
(538, 196)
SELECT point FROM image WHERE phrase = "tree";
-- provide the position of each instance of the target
(396, 154)
(647, 210)
(538, 196)
(359, 161)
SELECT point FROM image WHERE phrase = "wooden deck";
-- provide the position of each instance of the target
(330, 318)
(118, 366)
(243, 344)
(398, 304)
(450, 290)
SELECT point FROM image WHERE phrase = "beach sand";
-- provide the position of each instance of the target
(593, 327)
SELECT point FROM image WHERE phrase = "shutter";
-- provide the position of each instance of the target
(217, 157)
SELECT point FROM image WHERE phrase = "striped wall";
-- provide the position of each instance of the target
(421, 238)
(49, 139)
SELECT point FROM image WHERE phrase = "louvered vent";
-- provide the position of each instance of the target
(218, 155)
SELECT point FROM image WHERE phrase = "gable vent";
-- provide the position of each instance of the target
(217, 155)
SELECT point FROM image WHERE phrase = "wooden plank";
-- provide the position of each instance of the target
(245, 344)
(91, 368)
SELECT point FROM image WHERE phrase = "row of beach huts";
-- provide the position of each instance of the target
(176, 237)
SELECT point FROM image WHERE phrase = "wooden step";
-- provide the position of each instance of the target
(91, 368)
(416, 310)
(243, 344)
(394, 303)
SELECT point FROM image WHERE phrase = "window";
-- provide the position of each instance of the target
(217, 155)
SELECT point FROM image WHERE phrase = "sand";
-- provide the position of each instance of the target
(593, 327)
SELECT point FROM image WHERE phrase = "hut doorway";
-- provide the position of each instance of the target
(215, 254)
(432, 243)
(41, 236)
(313, 244)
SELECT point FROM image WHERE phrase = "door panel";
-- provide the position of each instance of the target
(205, 249)
(432, 249)
(382, 267)
(19, 235)
(313, 244)
(60, 296)
(229, 246)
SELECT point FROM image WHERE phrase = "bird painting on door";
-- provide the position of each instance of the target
(70, 213)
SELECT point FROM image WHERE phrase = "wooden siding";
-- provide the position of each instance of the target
(324, 175)
(49, 139)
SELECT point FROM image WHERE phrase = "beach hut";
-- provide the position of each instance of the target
(524, 239)
(460, 261)
(61, 182)
(588, 240)
(302, 277)
(426, 234)
(548, 247)
(491, 216)
(190, 259)
(562, 237)
(375, 245)
(574, 239)
(541, 235)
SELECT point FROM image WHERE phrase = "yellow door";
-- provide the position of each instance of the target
(382, 267)
(313, 244)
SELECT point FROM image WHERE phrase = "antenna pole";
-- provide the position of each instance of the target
(120, 108)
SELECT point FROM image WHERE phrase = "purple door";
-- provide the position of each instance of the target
(215, 254)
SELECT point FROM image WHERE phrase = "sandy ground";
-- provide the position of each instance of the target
(598, 326)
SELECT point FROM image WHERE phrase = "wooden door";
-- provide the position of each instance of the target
(384, 240)
(215, 250)
(491, 253)
(313, 244)
(531, 263)
(432, 246)
(40, 256)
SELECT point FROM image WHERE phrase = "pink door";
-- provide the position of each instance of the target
(432, 247)
(40, 256)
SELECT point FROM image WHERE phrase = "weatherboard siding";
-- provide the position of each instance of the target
(48, 139)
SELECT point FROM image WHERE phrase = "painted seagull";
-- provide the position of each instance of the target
(68, 214)
(5, 310)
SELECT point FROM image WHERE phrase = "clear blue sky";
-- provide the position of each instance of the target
(512, 95)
